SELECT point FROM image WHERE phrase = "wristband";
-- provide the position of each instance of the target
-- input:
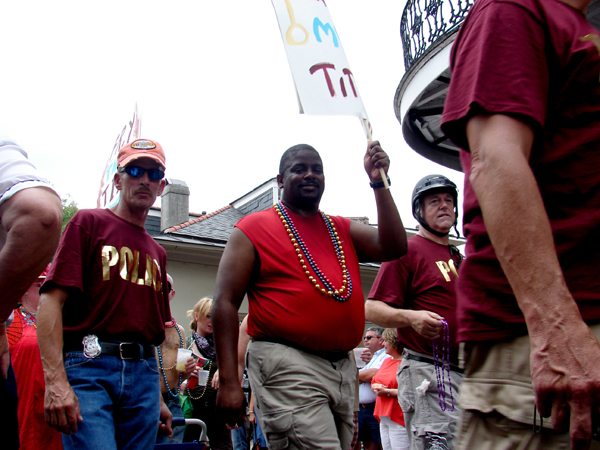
(388, 392)
(380, 184)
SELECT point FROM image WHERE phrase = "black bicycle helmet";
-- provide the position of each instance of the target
(429, 185)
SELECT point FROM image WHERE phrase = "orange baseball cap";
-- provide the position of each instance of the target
(141, 148)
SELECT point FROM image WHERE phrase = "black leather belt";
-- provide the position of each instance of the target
(431, 361)
(329, 355)
(367, 405)
(122, 350)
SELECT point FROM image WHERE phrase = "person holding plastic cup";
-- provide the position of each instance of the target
(204, 397)
(173, 369)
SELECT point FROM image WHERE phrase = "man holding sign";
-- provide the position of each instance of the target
(300, 270)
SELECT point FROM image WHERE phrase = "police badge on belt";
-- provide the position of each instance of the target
(435, 442)
(91, 346)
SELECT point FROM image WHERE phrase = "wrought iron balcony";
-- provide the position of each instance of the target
(428, 29)
(424, 22)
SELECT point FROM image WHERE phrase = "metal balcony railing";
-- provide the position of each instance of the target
(424, 22)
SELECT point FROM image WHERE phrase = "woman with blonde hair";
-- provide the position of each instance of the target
(204, 397)
(385, 385)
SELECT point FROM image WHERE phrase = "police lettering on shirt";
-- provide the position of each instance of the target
(129, 262)
(446, 268)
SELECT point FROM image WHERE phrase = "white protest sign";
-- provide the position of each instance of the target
(324, 82)
(108, 195)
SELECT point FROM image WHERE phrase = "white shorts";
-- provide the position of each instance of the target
(16, 172)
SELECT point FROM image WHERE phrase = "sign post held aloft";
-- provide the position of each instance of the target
(324, 83)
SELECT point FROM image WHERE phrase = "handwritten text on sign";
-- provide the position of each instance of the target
(324, 81)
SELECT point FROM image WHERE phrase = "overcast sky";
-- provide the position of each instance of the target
(213, 86)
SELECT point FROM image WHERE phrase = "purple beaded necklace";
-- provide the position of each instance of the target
(440, 366)
(326, 287)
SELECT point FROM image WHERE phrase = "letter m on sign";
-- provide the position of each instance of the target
(326, 27)
(317, 60)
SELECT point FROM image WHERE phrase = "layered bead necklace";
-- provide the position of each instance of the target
(305, 259)
(440, 366)
(29, 318)
(175, 392)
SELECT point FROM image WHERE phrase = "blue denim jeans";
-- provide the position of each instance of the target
(238, 438)
(119, 402)
(258, 436)
(368, 426)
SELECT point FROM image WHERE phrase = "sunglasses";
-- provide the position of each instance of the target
(368, 338)
(138, 172)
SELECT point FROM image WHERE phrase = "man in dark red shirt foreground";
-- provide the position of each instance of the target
(524, 106)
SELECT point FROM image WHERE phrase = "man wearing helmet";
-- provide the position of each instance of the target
(416, 294)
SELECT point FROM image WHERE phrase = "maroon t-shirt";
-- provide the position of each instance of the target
(283, 303)
(422, 280)
(117, 280)
(535, 60)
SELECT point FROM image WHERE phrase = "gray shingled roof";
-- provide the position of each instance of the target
(215, 227)
(153, 225)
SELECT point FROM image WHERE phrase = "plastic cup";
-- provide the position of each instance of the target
(183, 354)
(359, 362)
(202, 377)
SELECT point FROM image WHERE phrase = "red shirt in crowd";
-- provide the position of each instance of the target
(283, 303)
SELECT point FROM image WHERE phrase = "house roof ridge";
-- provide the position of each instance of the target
(199, 219)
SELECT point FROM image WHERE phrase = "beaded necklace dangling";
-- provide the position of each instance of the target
(442, 365)
(326, 287)
(175, 392)
(29, 318)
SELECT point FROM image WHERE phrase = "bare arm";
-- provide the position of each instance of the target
(32, 220)
(251, 415)
(565, 355)
(190, 365)
(61, 406)
(233, 277)
(388, 240)
(382, 390)
(427, 323)
(366, 375)
(243, 341)
(166, 419)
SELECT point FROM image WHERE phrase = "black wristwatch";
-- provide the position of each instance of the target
(380, 184)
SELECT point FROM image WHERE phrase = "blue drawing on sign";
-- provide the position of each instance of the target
(326, 27)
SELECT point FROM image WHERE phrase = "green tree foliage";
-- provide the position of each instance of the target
(69, 210)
